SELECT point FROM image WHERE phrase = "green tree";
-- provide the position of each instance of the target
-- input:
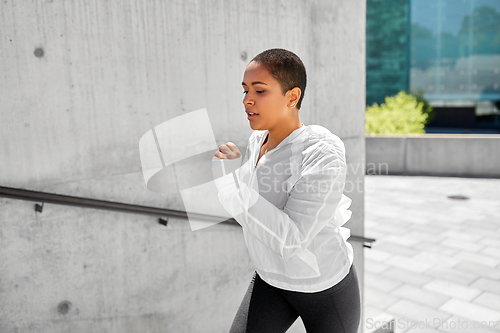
(401, 114)
(484, 24)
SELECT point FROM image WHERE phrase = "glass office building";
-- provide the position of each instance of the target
(449, 49)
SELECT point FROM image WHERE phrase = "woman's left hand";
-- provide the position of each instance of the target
(228, 151)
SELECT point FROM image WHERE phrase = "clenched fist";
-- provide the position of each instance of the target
(228, 151)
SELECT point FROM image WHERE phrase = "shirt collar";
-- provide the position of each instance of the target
(290, 138)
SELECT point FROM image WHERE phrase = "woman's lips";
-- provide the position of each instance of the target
(250, 117)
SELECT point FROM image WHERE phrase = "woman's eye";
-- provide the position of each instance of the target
(259, 92)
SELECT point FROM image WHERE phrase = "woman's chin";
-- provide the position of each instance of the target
(254, 126)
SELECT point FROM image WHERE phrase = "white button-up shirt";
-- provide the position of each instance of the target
(291, 207)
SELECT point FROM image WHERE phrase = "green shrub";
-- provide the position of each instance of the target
(419, 94)
(401, 114)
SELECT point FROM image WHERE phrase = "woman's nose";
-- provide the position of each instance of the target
(247, 100)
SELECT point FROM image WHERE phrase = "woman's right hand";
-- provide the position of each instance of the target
(228, 151)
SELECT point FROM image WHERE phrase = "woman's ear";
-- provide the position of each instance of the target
(294, 96)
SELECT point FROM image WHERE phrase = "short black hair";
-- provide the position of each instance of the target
(286, 67)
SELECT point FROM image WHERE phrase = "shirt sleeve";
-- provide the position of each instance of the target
(311, 205)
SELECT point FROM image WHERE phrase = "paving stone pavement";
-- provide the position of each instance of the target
(435, 264)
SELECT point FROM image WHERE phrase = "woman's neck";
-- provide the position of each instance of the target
(278, 134)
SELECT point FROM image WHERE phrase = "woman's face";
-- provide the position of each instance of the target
(264, 97)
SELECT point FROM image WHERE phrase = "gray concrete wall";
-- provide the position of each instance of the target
(81, 82)
(461, 155)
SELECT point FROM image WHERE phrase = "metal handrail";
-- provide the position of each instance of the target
(59, 199)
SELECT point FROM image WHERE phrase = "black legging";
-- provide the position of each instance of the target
(266, 308)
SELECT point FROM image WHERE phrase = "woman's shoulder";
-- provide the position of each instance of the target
(319, 137)
(320, 145)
